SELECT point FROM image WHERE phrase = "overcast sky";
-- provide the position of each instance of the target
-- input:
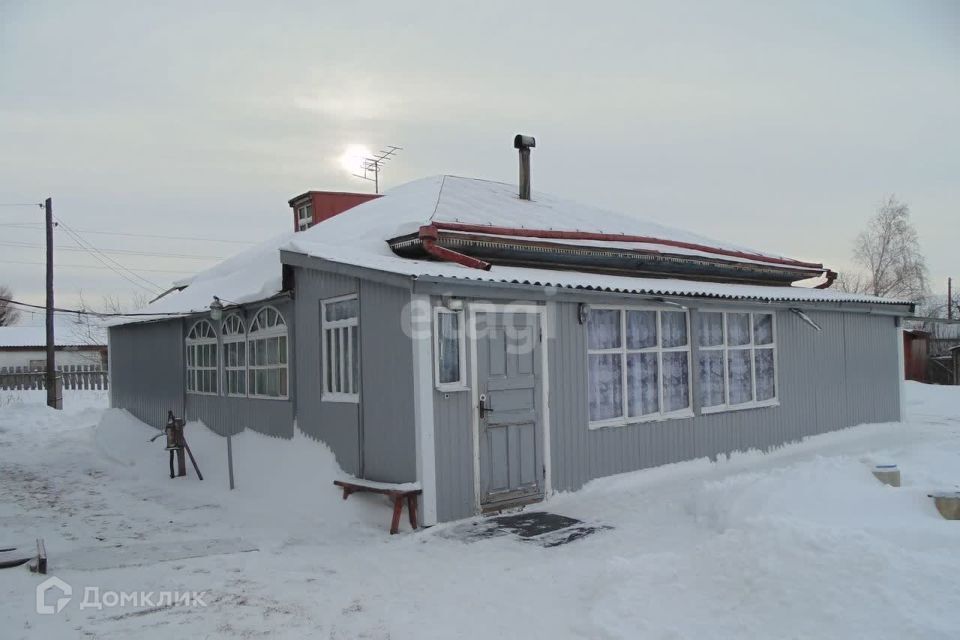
(775, 125)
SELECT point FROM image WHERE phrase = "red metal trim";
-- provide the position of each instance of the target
(428, 239)
(831, 276)
(613, 237)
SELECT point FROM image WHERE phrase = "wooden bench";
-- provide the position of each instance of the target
(397, 492)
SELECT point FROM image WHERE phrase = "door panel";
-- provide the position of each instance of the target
(509, 379)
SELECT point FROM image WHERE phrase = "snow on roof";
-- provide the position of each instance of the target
(66, 334)
(358, 237)
(251, 275)
(496, 204)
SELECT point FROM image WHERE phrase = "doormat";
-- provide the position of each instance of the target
(543, 528)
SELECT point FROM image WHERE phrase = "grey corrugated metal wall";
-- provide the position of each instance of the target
(228, 416)
(386, 390)
(146, 375)
(453, 448)
(335, 423)
(383, 422)
(844, 375)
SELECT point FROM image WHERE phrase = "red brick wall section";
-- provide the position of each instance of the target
(327, 204)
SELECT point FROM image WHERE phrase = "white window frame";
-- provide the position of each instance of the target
(304, 222)
(457, 385)
(254, 335)
(345, 364)
(190, 344)
(752, 347)
(623, 351)
(233, 338)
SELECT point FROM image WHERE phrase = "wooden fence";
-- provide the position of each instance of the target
(75, 377)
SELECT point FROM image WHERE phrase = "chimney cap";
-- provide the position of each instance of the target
(521, 141)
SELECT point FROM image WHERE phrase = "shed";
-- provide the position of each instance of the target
(496, 349)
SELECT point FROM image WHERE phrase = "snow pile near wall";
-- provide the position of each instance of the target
(277, 481)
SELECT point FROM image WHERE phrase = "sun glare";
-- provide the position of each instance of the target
(352, 158)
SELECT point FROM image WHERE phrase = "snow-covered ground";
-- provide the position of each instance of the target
(799, 543)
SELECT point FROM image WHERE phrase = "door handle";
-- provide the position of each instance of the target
(482, 406)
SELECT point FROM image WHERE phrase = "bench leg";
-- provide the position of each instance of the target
(397, 510)
(346, 492)
(412, 510)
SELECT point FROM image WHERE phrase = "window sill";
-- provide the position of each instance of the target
(705, 411)
(259, 397)
(630, 422)
(341, 398)
(202, 393)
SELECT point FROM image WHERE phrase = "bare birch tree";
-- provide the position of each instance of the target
(9, 314)
(889, 256)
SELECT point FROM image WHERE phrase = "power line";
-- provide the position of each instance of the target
(188, 256)
(21, 204)
(150, 235)
(27, 225)
(91, 313)
(91, 266)
(96, 253)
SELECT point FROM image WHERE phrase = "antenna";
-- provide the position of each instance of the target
(373, 164)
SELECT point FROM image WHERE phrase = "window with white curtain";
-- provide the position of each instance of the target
(736, 360)
(202, 370)
(341, 349)
(449, 349)
(638, 365)
(267, 355)
(233, 335)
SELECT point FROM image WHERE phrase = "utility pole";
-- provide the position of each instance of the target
(52, 399)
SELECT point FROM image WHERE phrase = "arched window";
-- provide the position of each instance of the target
(267, 355)
(202, 358)
(234, 337)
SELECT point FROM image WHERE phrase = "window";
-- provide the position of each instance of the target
(304, 216)
(234, 336)
(202, 368)
(341, 349)
(639, 365)
(267, 355)
(736, 361)
(449, 349)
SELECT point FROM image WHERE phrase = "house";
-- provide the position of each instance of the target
(496, 349)
(24, 347)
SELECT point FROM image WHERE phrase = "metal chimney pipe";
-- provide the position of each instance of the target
(524, 144)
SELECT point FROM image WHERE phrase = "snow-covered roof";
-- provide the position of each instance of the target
(66, 334)
(358, 237)
(251, 275)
